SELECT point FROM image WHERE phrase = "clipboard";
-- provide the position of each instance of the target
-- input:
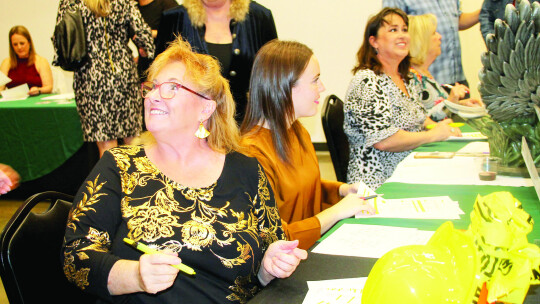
(526, 152)
(444, 155)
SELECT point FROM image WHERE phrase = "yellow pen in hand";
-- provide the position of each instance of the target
(142, 247)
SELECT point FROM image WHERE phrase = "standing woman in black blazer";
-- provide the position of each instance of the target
(230, 30)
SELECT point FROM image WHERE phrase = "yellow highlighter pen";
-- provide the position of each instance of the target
(142, 247)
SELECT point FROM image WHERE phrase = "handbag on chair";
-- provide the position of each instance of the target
(69, 41)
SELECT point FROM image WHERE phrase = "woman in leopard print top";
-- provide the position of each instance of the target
(384, 119)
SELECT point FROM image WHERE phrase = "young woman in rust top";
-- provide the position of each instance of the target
(285, 86)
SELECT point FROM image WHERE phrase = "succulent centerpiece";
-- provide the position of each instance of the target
(510, 86)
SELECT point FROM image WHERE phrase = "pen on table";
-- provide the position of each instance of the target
(370, 197)
(142, 247)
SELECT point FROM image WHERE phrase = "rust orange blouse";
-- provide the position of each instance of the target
(299, 191)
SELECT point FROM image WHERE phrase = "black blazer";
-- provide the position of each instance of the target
(248, 37)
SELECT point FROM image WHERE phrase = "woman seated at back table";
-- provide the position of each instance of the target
(285, 86)
(425, 47)
(384, 118)
(186, 192)
(24, 65)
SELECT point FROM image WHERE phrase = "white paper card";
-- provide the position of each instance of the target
(371, 241)
(4, 79)
(16, 93)
(340, 291)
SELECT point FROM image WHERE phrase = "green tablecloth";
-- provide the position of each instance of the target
(38, 136)
(464, 194)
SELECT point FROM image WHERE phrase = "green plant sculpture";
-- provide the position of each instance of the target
(510, 86)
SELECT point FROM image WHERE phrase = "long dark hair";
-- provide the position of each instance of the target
(367, 55)
(276, 69)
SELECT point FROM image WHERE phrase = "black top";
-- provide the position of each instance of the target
(248, 37)
(221, 231)
(223, 54)
(151, 12)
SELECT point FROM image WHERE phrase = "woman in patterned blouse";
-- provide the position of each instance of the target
(184, 192)
(384, 118)
(425, 48)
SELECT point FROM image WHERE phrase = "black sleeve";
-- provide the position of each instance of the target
(169, 28)
(91, 225)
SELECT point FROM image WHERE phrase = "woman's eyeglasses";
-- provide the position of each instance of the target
(167, 90)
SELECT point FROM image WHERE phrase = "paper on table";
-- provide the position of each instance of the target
(438, 207)
(370, 241)
(475, 147)
(346, 291)
(455, 171)
(364, 190)
(467, 136)
(60, 96)
(4, 79)
(16, 93)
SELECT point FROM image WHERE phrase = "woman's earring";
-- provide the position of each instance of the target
(376, 51)
(202, 133)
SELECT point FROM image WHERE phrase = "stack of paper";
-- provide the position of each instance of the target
(437, 207)
(467, 136)
(16, 93)
(346, 291)
(370, 241)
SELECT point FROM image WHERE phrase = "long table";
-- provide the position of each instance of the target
(325, 267)
(37, 136)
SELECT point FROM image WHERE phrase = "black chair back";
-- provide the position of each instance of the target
(338, 144)
(30, 253)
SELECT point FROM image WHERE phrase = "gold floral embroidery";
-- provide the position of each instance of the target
(197, 234)
(88, 200)
(244, 256)
(151, 223)
(240, 292)
(99, 240)
(201, 223)
(77, 277)
(82, 256)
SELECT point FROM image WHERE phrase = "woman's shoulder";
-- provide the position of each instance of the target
(241, 163)
(122, 153)
(365, 73)
(5, 64)
(41, 60)
(254, 6)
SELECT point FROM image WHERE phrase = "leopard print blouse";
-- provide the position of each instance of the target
(375, 108)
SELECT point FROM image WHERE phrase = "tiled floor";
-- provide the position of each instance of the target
(8, 207)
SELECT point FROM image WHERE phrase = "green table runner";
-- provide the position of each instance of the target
(464, 194)
(38, 136)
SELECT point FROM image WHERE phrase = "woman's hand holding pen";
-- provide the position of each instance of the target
(155, 271)
(442, 130)
(346, 189)
(471, 102)
(457, 92)
(280, 260)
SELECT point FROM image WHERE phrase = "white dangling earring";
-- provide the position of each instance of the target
(202, 133)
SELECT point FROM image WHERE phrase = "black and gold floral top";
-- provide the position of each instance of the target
(221, 231)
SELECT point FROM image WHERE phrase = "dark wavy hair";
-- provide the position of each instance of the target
(367, 55)
(276, 69)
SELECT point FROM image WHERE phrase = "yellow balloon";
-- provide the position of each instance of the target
(443, 271)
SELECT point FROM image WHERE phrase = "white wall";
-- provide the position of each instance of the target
(332, 28)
